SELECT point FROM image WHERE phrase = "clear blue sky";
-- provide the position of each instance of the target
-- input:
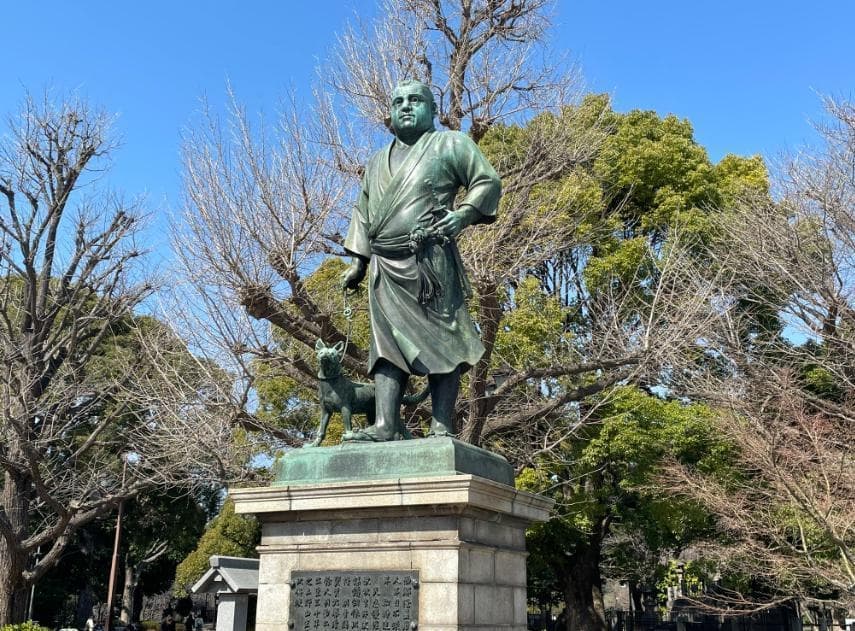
(746, 73)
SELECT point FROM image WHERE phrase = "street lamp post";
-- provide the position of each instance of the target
(111, 590)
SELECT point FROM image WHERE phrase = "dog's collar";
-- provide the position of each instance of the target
(329, 378)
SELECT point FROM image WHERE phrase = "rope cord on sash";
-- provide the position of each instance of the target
(430, 285)
(347, 312)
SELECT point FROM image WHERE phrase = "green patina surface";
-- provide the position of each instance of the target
(426, 457)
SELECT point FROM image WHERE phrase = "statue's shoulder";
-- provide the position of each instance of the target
(379, 154)
(454, 140)
(377, 158)
(451, 135)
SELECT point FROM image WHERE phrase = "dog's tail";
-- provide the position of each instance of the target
(411, 399)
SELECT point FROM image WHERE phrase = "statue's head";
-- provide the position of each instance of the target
(412, 109)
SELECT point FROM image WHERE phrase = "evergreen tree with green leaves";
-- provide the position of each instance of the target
(228, 534)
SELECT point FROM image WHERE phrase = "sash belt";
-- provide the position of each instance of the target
(394, 248)
(416, 243)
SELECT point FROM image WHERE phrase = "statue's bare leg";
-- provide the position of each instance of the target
(389, 384)
(443, 394)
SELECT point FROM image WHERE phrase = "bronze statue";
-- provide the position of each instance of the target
(403, 234)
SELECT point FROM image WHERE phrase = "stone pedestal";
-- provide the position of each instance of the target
(463, 534)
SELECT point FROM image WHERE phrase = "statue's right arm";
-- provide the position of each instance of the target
(357, 242)
(354, 274)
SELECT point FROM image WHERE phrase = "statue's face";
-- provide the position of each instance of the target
(412, 111)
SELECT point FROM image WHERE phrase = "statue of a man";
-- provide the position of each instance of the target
(403, 233)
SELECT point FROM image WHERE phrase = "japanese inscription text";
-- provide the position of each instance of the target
(354, 601)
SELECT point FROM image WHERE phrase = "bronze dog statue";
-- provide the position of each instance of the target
(337, 393)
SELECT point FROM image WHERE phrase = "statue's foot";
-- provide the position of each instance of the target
(314, 443)
(370, 433)
(439, 429)
(358, 435)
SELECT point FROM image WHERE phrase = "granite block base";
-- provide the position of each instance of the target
(463, 534)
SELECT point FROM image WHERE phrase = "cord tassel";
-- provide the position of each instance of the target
(430, 287)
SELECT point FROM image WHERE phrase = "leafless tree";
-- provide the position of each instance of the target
(485, 60)
(780, 368)
(263, 206)
(86, 382)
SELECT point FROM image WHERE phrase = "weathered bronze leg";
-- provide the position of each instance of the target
(389, 384)
(443, 394)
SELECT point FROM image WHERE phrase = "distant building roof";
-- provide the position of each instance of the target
(229, 575)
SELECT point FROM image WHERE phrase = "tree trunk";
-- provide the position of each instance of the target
(127, 609)
(13, 598)
(138, 603)
(636, 596)
(13, 561)
(490, 313)
(583, 594)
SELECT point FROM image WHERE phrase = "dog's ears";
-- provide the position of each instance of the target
(319, 345)
(339, 346)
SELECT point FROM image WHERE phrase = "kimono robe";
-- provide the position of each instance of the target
(420, 335)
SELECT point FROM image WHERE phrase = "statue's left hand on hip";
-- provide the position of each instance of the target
(453, 223)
